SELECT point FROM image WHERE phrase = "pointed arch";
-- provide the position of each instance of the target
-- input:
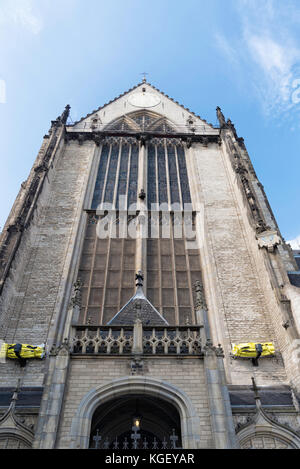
(190, 424)
(141, 121)
(265, 433)
(13, 432)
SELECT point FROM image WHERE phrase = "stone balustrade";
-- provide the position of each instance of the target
(136, 340)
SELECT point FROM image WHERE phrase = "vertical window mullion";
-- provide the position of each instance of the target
(178, 178)
(100, 179)
(116, 191)
(169, 201)
(106, 175)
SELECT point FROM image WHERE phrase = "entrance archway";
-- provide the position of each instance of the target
(136, 422)
(138, 386)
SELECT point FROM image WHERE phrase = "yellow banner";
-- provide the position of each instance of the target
(24, 351)
(252, 349)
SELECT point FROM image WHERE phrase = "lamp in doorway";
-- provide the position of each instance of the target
(136, 421)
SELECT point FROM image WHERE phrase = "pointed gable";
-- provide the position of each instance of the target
(138, 307)
(145, 96)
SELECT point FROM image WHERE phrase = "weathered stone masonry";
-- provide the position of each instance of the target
(243, 291)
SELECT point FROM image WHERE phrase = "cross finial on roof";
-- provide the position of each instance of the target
(144, 76)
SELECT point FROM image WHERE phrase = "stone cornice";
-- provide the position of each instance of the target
(143, 137)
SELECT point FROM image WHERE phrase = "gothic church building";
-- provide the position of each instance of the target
(140, 249)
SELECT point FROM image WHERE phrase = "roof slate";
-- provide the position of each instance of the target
(138, 307)
(27, 397)
(270, 397)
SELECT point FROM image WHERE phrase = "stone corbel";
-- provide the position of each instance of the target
(240, 169)
(268, 239)
(189, 142)
(18, 226)
(204, 141)
(80, 139)
(137, 366)
(98, 139)
(142, 139)
(43, 167)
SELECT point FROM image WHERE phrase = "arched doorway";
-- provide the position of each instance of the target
(141, 386)
(135, 422)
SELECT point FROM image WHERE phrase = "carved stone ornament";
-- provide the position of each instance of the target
(136, 366)
(210, 350)
(269, 240)
(62, 349)
(76, 299)
(200, 296)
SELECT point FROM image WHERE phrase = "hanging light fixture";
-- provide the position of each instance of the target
(136, 421)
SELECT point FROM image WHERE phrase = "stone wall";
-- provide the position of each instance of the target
(239, 303)
(186, 374)
(39, 277)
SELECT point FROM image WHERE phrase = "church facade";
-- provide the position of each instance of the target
(142, 254)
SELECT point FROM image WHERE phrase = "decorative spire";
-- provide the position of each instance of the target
(15, 396)
(256, 393)
(221, 117)
(65, 114)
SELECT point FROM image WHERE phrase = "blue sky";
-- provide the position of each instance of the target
(241, 55)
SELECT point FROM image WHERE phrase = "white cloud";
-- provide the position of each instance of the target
(267, 49)
(295, 243)
(226, 48)
(20, 13)
(276, 61)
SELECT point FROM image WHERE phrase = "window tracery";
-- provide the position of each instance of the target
(142, 121)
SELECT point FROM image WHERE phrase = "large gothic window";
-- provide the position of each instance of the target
(167, 174)
(107, 268)
(117, 173)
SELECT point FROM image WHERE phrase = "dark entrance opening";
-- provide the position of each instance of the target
(136, 422)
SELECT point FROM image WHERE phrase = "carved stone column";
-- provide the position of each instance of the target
(218, 395)
(51, 405)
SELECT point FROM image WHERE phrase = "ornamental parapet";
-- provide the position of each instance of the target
(137, 340)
